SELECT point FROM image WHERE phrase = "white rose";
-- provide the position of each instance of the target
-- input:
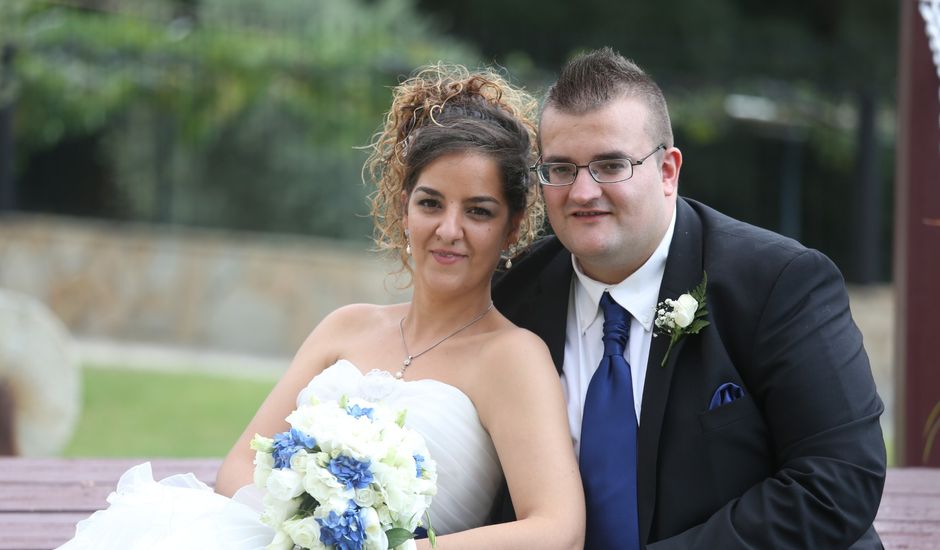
(375, 535)
(305, 532)
(406, 508)
(427, 487)
(322, 459)
(685, 308)
(319, 421)
(418, 507)
(285, 484)
(385, 516)
(323, 486)
(409, 544)
(277, 511)
(281, 542)
(337, 503)
(264, 463)
(394, 436)
(365, 497)
(298, 462)
(347, 446)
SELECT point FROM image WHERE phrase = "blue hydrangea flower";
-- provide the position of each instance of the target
(288, 443)
(343, 531)
(352, 473)
(356, 411)
(419, 464)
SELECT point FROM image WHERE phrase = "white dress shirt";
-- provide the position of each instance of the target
(584, 346)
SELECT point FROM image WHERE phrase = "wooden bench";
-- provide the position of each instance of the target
(42, 499)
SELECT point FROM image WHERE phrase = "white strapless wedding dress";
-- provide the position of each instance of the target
(182, 513)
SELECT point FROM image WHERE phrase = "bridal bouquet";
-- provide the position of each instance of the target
(347, 475)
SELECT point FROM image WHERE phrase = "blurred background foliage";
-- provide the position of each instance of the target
(251, 115)
(224, 113)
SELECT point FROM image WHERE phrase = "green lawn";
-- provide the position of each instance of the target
(129, 413)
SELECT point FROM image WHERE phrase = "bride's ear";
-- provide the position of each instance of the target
(404, 210)
(512, 237)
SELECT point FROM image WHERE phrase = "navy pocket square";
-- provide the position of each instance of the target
(726, 393)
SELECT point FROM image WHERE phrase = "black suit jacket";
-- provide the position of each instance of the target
(799, 461)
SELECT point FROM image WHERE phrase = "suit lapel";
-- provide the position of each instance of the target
(534, 294)
(683, 272)
(550, 309)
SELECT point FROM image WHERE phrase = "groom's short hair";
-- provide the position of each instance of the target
(591, 80)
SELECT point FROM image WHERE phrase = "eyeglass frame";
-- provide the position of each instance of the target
(577, 168)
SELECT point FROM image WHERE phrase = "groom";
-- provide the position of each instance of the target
(759, 431)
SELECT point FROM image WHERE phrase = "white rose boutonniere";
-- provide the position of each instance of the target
(685, 315)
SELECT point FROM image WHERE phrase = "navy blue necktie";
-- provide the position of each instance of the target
(608, 441)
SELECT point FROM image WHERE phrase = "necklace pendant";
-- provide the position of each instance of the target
(399, 375)
(407, 361)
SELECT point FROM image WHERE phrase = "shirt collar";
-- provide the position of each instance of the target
(637, 293)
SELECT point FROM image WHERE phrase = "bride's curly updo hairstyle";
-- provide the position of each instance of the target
(446, 109)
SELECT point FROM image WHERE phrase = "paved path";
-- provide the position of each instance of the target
(142, 356)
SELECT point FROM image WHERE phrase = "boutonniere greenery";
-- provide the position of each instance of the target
(685, 315)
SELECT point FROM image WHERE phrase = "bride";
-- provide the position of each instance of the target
(452, 196)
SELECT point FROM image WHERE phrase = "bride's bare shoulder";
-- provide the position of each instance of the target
(516, 370)
(353, 319)
(515, 350)
(343, 329)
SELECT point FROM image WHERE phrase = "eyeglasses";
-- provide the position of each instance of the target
(560, 174)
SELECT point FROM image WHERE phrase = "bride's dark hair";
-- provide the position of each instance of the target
(445, 109)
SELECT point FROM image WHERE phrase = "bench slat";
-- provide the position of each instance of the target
(52, 470)
(41, 500)
(61, 498)
(25, 531)
(913, 481)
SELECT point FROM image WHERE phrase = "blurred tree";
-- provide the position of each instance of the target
(827, 42)
(245, 114)
(7, 105)
(766, 99)
(230, 113)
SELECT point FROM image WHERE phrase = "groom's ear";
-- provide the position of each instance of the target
(669, 169)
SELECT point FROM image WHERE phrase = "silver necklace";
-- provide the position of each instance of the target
(409, 357)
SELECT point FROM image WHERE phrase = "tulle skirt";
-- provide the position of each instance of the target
(176, 513)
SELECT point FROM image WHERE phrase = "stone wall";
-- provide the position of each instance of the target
(239, 292)
(236, 292)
